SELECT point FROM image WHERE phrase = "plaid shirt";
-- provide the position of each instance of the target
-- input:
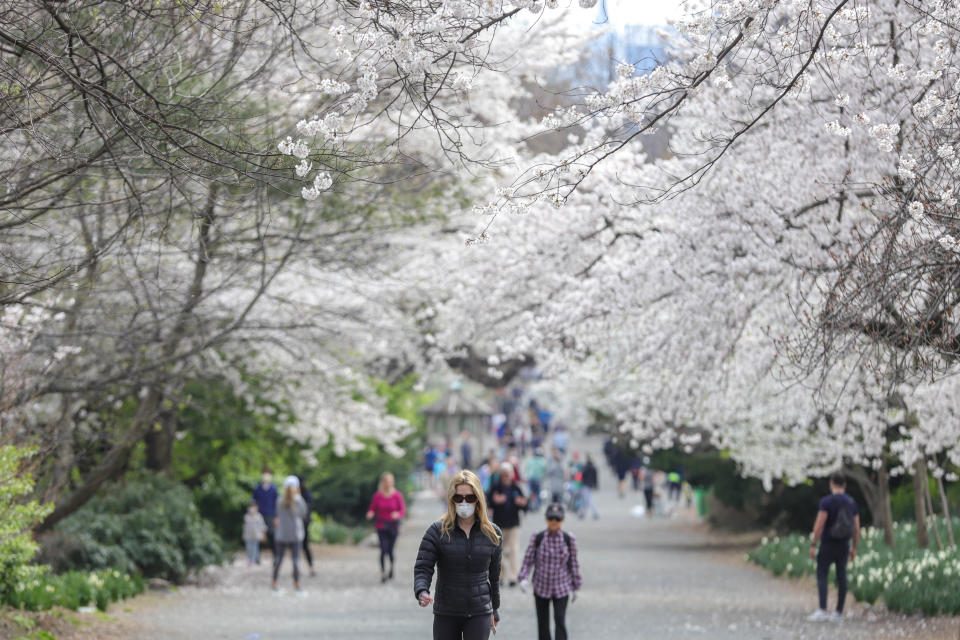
(553, 578)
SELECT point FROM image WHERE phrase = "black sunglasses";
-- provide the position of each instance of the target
(554, 518)
(459, 498)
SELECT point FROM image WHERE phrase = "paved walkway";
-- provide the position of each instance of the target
(657, 579)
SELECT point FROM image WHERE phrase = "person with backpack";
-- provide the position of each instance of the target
(552, 558)
(837, 529)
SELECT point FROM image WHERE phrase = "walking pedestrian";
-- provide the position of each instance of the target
(561, 438)
(647, 481)
(308, 499)
(589, 485)
(265, 495)
(466, 451)
(254, 532)
(837, 524)
(429, 460)
(535, 469)
(508, 501)
(288, 529)
(556, 476)
(674, 484)
(387, 509)
(465, 548)
(552, 557)
(621, 466)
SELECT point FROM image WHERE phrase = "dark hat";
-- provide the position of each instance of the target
(555, 511)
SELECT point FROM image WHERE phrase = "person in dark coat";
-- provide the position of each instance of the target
(507, 501)
(308, 499)
(589, 480)
(265, 495)
(465, 548)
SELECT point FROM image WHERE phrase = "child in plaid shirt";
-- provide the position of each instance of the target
(552, 557)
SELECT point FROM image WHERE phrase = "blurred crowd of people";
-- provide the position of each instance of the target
(663, 491)
(531, 454)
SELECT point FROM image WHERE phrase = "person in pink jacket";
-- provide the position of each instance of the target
(387, 509)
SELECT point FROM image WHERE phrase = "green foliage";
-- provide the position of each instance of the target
(329, 531)
(901, 499)
(225, 446)
(17, 518)
(907, 578)
(74, 589)
(343, 485)
(747, 505)
(147, 524)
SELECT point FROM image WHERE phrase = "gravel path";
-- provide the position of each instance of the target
(663, 579)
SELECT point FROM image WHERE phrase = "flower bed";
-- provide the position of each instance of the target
(73, 590)
(906, 578)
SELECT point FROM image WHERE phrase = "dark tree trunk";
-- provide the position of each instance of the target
(945, 504)
(110, 464)
(159, 443)
(875, 487)
(920, 503)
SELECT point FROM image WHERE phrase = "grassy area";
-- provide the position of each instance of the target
(73, 590)
(906, 578)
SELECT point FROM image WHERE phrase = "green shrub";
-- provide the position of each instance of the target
(17, 518)
(74, 589)
(146, 524)
(329, 531)
(907, 578)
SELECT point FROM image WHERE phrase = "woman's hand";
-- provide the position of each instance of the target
(426, 599)
(370, 515)
(395, 515)
(493, 617)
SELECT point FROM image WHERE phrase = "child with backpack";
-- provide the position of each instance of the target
(552, 558)
(837, 529)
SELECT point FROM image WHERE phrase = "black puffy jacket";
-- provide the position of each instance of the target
(468, 571)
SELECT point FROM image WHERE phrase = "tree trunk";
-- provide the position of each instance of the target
(883, 485)
(159, 443)
(933, 516)
(63, 453)
(946, 512)
(919, 503)
(150, 404)
(109, 464)
(876, 491)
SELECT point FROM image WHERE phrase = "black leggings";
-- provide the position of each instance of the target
(388, 537)
(838, 554)
(458, 628)
(306, 543)
(559, 617)
(280, 550)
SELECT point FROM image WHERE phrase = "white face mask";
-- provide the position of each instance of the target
(465, 510)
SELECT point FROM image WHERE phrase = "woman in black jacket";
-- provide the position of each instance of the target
(466, 548)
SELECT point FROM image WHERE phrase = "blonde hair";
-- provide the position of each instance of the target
(383, 477)
(449, 519)
(289, 494)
